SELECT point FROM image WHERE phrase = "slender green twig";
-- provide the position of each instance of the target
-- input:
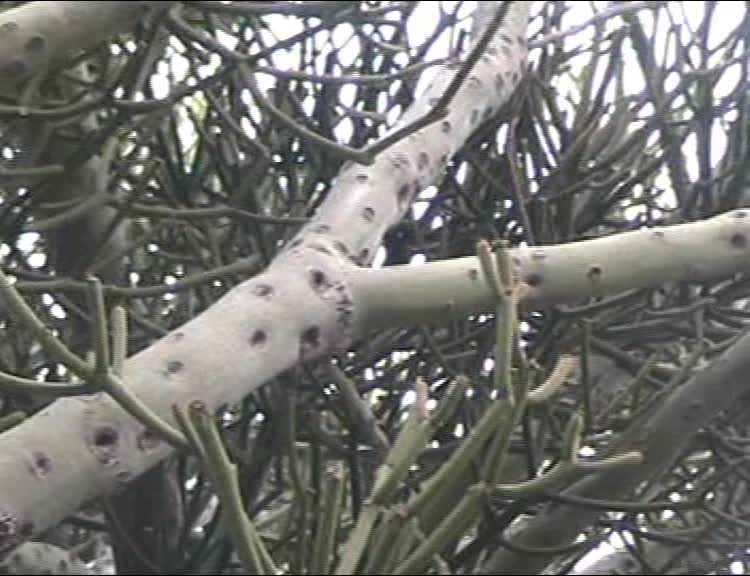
(205, 436)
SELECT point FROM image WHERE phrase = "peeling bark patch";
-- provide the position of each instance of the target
(8, 28)
(344, 310)
(263, 290)
(738, 241)
(41, 465)
(423, 161)
(403, 194)
(368, 214)
(174, 366)
(35, 44)
(123, 476)
(534, 279)
(8, 528)
(258, 338)
(445, 126)
(499, 82)
(400, 161)
(16, 68)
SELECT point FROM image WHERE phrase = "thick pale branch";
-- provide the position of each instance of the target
(36, 34)
(302, 308)
(694, 252)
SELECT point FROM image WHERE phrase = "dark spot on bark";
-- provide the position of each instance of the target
(521, 40)
(105, 437)
(362, 178)
(320, 248)
(738, 240)
(258, 338)
(739, 214)
(310, 338)
(174, 366)
(658, 234)
(341, 247)
(148, 440)
(423, 160)
(62, 566)
(595, 272)
(42, 464)
(506, 51)
(433, 101)
(320, 229)
(507, 39)
(262, 290)
(368, 213)
(319, 280)
(27, 529)
(473, 273)
(35, 44)
(534, 279)
(364, 255)
(491, 50)
(298, 241)
(514, 76)
(474, 116)
(177, 336)
(445, 126)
